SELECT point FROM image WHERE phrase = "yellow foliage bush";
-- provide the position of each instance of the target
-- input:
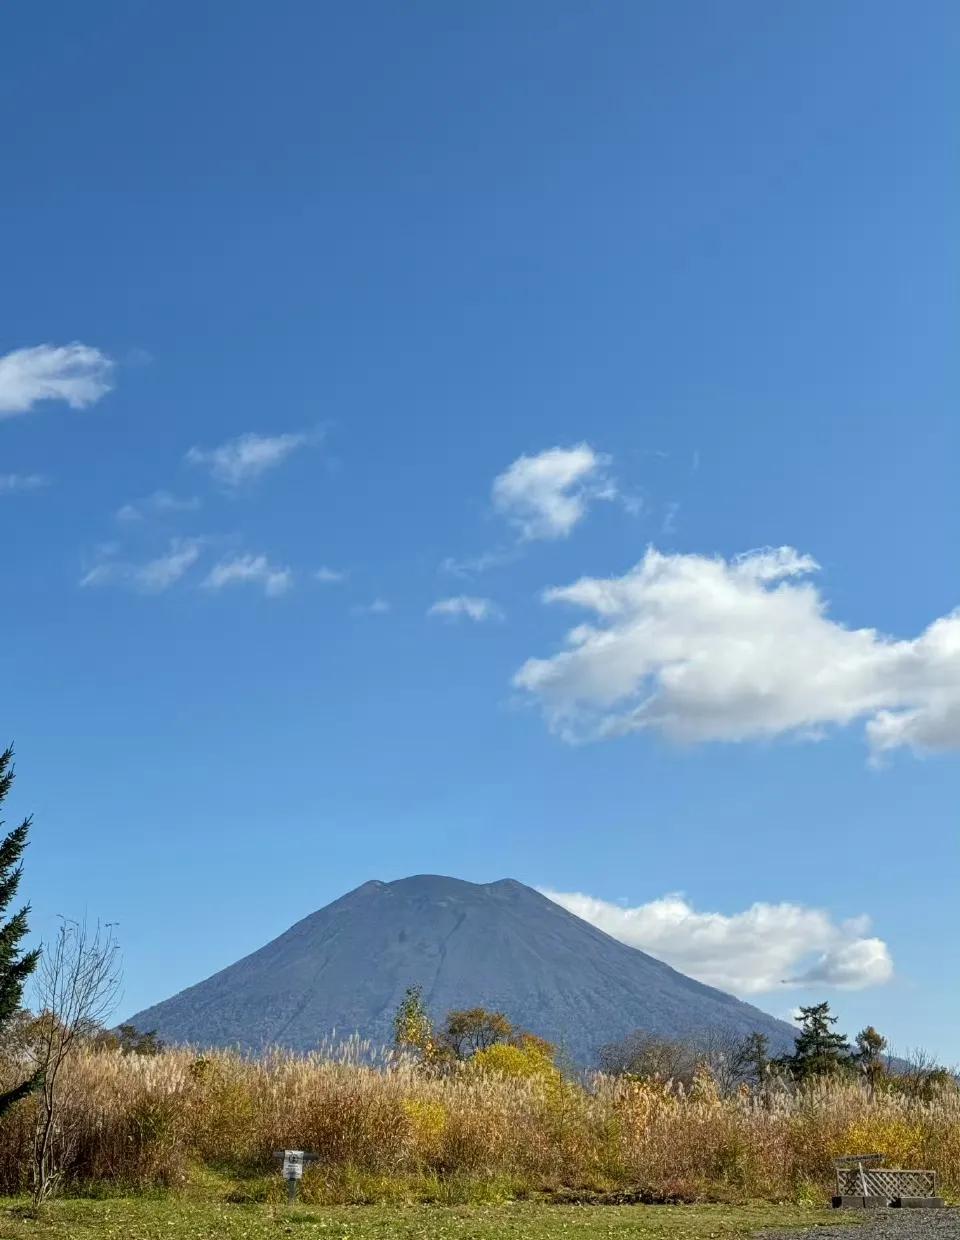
(504, 1059)
(898, 1137)
(427, 1121)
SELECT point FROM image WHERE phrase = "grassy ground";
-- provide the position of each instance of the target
(173, 1218)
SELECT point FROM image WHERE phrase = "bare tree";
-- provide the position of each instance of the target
(78, 985)
(921, 1076)
(650, 1057)
(720, 1050)
(731, 1061)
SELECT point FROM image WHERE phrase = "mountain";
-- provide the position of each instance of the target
(501, 945)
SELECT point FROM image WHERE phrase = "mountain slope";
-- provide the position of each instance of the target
(500, 945)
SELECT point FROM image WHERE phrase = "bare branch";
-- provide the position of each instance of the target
(78, 986)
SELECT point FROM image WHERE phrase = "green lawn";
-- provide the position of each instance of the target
(173, 1218)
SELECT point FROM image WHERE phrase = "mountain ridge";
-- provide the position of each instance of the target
(502, 945)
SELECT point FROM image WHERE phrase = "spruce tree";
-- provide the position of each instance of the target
(818, 1051)
(15, 965)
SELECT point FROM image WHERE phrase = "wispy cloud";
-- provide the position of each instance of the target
(249, 456)
(379, 607)
(707, 649)
(161, 573)
(158, 503)
(633, 503)
(74, 373)
(668, 526)
(471, 566)
(766, 947)
(465, 605)
(253, 570)
(12, 484)
(329, 576)
(545, 496)
(151, 577)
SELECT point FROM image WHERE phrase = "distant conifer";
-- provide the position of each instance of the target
(818, 1051)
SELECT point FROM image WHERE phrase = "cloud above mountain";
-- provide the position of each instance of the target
(708, 649)
(766, 947)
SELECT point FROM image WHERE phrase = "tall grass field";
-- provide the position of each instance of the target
(388, 1132)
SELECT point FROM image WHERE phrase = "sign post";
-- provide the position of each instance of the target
(293, 1162)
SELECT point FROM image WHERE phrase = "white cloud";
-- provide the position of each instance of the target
(704, 649)
(546, 495)
(379, 607)
(74, 373)
(477, 609)
(152, 577)
(329, 576)
(248, 456)
(158, 502)
(250, 570)
(765, 947)
(11, 484)
(849, 965)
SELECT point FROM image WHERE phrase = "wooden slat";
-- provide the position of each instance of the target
(880, 1182)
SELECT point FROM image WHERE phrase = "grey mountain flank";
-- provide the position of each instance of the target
(500, 945)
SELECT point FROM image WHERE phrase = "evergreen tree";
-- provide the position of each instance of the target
(818, 1051)
(15, 966)
(752, 1059)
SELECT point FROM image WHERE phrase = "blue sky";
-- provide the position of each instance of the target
(315, 318)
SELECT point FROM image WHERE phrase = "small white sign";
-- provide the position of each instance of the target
(293, 1164)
